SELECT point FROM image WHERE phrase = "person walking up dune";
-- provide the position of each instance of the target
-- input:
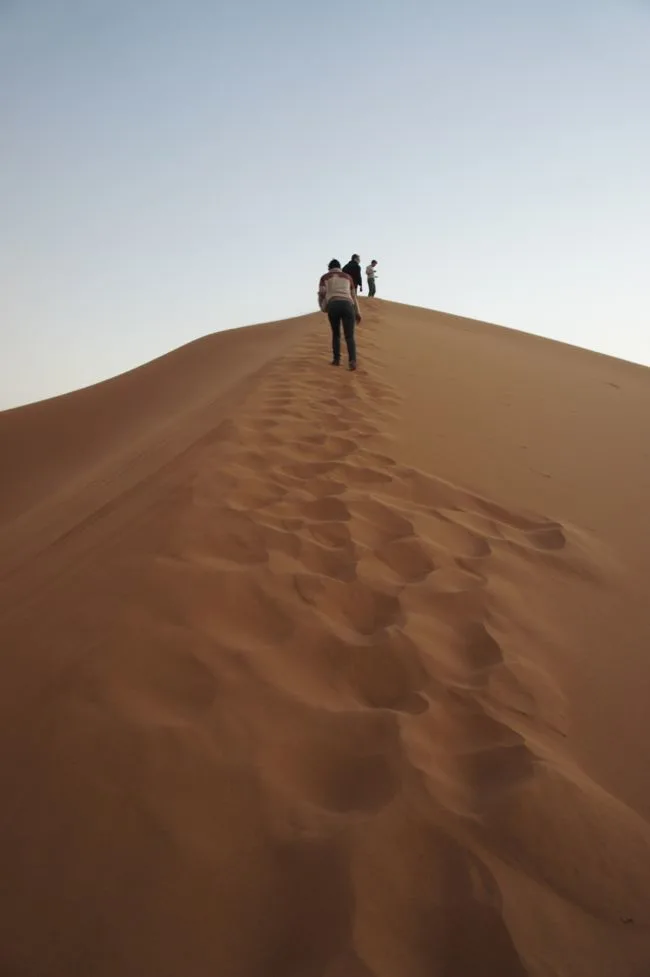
(353, 269)
(370, 275)
(337, 297)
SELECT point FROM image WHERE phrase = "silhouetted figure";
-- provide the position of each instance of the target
(353, 269)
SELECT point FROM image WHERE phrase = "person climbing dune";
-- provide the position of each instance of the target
(353, 269)
(337, 297)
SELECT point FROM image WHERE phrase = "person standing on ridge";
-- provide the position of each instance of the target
(370, 275)
(337, 297)
(353, 269)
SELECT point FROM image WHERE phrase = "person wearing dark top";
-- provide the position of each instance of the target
(353, 269)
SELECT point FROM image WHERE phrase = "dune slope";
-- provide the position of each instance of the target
(315, 673)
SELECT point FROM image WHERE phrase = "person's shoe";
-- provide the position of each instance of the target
(335, 363)
(353, 365)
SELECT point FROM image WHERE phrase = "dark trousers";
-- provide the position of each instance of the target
(371, 287)
(341, 313)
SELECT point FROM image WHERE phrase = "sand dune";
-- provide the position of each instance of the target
(315, 673)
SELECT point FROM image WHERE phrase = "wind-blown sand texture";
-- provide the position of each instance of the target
(307, 673)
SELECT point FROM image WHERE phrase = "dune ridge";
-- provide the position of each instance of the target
(282, 702)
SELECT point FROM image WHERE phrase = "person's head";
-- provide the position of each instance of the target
(373, 262)
(355, 257)
(334, 263)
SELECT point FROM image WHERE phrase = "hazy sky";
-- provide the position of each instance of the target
(173, 167)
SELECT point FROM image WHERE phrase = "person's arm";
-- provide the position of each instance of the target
(353, 293)
(321, 294)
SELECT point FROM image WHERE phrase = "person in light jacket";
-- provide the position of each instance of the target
(337, 297)
(370, 275)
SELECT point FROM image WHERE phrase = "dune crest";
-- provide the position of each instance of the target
(286, 694)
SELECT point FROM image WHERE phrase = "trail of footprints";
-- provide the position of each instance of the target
(335, 567)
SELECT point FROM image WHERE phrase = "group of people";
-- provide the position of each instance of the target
(353, 269)
(337, 297)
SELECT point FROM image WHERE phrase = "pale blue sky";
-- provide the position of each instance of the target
(174, 167)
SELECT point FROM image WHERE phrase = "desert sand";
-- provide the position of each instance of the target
(307, 673)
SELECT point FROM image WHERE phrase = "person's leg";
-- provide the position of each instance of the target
(349, 322)
(371, 287)
(334, 316)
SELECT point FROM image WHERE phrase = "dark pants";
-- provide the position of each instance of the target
(371, 287)
(341, 313)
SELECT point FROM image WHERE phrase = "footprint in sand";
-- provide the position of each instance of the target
(456, 579)
(490, 755)
(255, 493)
(378, 523)
(486, 530)
(333, 534)
(382, 461)
(344, 783)
(508, 517)
(328, 509)
(407, 557)
(330, 447)
(484, 522)
(360, 475)
(460, 651)
(256, 461)
(388, 674)
(334, 423)
(307, 469)
(546, 538)
(444, 529)
(339, 564)
(352, 604)
(489, 773)
(478, 526)
(426, 490)
(481, 650)
(342, 763)
(543, 534)
(323, 487)
(280, 540)
(449, 609)
(471, 658)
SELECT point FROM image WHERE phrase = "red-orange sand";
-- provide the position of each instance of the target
(306, 673)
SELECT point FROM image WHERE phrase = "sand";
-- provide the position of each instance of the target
(307, 673)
